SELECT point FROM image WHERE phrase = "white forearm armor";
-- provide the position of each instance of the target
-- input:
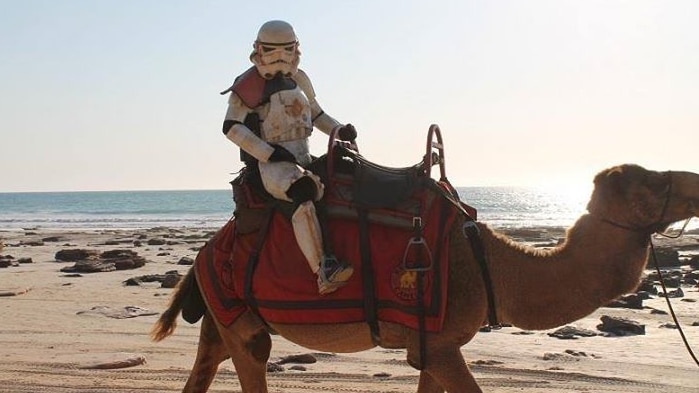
(248, 141)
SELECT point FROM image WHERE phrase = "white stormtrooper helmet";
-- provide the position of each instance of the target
(276, 49)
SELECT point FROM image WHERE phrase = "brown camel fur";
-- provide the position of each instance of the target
(602, 258)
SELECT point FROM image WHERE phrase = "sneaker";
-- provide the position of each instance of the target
(333, 274)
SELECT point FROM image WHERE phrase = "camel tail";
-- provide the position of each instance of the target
(180, 300)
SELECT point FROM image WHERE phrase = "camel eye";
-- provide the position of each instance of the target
(658, 183)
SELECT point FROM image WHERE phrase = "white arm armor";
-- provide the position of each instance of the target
(248, 141)
(321, 120)
(242, 135)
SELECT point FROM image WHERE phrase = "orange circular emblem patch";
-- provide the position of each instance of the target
(404, 283)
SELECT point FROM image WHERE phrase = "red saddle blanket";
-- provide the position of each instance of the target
(282, 288)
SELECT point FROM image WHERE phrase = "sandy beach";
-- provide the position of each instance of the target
(89, 332)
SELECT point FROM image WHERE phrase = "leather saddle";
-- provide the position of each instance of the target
(376, 186)
(351, 182)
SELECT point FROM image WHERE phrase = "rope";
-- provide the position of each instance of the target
(669, 304)
(669, 236)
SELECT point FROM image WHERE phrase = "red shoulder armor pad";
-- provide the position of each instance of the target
(249, 86)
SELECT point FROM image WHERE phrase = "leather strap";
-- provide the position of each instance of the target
(254, 259)
(473, 234)
(370, 308)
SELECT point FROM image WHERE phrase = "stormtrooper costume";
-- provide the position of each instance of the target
(271, 113)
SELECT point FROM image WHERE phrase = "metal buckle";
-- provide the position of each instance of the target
(470, 226)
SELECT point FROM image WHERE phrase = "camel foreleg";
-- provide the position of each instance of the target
(427, 384)
(448, 371)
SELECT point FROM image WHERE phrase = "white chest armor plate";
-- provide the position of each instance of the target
(288, 117)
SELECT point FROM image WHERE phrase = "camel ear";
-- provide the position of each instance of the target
(609, 186)
(610, 181)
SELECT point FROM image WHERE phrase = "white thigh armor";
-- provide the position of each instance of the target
(277, 177)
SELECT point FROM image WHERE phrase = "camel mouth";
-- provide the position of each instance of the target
(663, 226)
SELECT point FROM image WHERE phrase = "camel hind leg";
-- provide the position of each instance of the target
(210, 353)
(249, 346)
(246, 342)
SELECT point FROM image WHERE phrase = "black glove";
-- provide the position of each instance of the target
(281, 154)
(347, 133)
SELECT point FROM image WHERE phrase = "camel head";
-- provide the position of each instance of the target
(635, 198)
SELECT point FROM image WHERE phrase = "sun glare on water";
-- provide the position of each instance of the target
(572, 195)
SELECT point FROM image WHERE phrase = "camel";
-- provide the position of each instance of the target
(602, 257)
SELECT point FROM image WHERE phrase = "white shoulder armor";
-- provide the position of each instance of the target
(305, 84)
(321, 120)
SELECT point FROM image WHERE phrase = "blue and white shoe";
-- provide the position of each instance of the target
(333, 274)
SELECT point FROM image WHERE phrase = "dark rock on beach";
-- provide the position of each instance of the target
(111, 361)
(274, 368)
(297, 367)
(634, 301)
(32, 243)
(568, 355)
(90, 267)
(90, 261)
(665, 257)
(694, 262)
(7, 292)
(672, 282)
(75, 254)
(118, 313)
(168, 280)
(305, 358)
(677, 293)
(53, 239)
(171, 280)
(621, 326)
(156, 242)
(647, 286)
(572, 333)
(7, 261)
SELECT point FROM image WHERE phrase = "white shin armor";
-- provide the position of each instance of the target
(308, 234)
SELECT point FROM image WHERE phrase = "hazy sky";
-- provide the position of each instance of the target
(123, 95)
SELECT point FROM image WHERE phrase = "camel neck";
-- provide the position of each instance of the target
(542, 289)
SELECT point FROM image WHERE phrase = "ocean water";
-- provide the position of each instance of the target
(501, 207)
(115, 209)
